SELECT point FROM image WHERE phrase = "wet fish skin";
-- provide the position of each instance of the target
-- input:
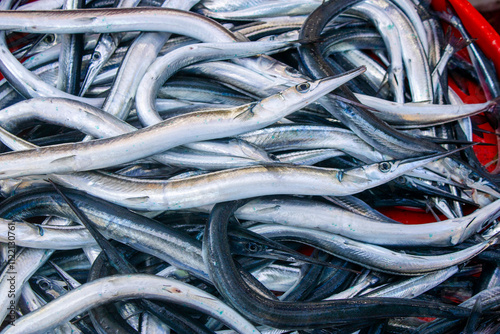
(290, 315)
(118, 287)
(371, 256)
(121, 222)
(187, 192)
(108, 152)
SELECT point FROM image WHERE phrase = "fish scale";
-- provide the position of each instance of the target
(248, 101)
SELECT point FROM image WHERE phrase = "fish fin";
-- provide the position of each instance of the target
(64, 160)
(138, 199)
(246, 112)
(457, 43)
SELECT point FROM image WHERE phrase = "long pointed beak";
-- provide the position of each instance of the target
(330, 83)
(92, 71)
(412, 163)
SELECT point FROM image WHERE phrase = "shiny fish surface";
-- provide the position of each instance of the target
(247, 166)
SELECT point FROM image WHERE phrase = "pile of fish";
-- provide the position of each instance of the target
(216, 166)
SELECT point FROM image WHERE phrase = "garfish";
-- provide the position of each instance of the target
(170, 133)
(306, 136)
(290, 315)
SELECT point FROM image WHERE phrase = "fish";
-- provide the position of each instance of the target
(115, 287)
(64, 158)
(300, 121)
(289, 315)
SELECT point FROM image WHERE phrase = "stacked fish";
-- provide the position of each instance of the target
(216, 166)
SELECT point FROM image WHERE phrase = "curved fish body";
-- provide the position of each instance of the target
(118, 287)
(164, 67)
(171, 129)
(140, 55)
(137, 231)
(412, 115)
(320, 216)
(285, 314)
(237, 184)
(20, 267)
(170, 133)
(46, 237)
(92, 121)
(385, 25)
(371, 256)
(269, 9)
(415, 286)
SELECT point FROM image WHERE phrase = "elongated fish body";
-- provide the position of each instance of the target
(233, 159)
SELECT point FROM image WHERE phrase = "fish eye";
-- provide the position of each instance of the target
(49, 39)
(474, 177)
(44, 285)
(303, 87)
(290, 70)
(252, 247)
(400, 179)
(384, 166)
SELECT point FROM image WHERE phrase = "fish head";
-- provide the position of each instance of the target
(302, 94)
(364, 177)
